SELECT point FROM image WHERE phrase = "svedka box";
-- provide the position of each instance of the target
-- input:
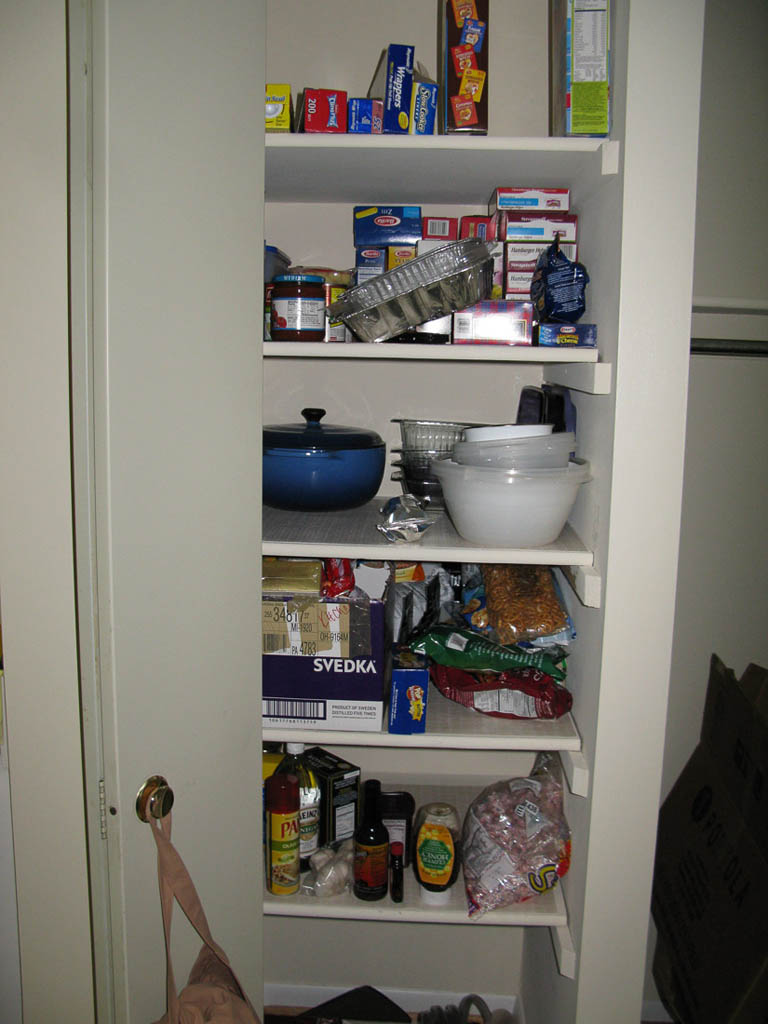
(323, 663)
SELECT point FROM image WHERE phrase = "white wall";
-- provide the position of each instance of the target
(722, 601)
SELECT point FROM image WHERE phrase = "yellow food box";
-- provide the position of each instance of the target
(278, 108)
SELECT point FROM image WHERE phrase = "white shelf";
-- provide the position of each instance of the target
(354, 168)
(451, 726)
(353, 534)
(437, 353)
(545, 910)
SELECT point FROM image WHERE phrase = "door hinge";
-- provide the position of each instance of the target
(102, 809)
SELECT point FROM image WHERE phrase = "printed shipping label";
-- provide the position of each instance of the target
(293, 628)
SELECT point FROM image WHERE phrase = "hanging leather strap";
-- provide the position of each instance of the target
(176, 883)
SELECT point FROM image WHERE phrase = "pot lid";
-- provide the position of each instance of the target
(317, 435)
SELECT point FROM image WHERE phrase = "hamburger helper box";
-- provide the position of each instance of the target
(324, 662)
(537, 226)
(529, 199)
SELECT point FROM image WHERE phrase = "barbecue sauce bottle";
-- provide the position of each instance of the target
(371, 848)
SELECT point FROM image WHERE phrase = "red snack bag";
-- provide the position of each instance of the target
(524, 693)
(338, 577)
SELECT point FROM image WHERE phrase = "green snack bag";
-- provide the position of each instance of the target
(463, 648)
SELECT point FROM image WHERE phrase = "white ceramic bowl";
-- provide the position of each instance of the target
(550, 452)
(509, 508)
(504, 431)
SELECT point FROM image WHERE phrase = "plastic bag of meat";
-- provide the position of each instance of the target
(516, 842)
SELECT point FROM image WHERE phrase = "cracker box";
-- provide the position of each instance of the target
(409, 692)
(278, 108)
(339, 783)
(580, 67)
(323, 663)
(463, 32)
(444, 228)
(494, 322)
(379, 226)
(392, 83)
(538, 226)
(364, 116)
(323, 111)
(565, 335)
(508, 198)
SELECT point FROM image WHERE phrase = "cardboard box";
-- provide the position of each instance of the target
(476, 227)
(364, 116)
(409, 691)
(710, 886)
(537, 226)
(278, 108)
(392, 83)
(324, 663)
(399, 254)
(323, 111)
(464, 41)
(522, 256)
(379, 226)
(339, 782)
(565, 335)
(510, 198)
(579, 67)
(494, 322)
(424, 97)
(444, 229)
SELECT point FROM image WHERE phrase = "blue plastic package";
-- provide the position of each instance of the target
(558, 288)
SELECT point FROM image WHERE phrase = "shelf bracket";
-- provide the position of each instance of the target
(586, 582)
(565, 951)
(610, 156)
(576, 768)
(594, 378)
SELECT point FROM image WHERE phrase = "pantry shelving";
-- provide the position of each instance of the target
(345, 168)
(353, 533)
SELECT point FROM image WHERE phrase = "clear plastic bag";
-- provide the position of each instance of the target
(516, 842)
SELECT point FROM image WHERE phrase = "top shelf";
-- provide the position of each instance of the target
(352, 168)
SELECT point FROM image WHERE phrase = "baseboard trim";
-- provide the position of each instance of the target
(410, 1000)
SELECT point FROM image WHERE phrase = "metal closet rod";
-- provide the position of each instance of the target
(728, 347)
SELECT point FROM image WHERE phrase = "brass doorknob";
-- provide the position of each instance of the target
(154, 799)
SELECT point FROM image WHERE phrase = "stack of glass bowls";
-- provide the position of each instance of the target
(424, 442)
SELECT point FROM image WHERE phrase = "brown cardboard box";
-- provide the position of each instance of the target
(710, 887)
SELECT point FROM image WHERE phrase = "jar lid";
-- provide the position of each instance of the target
(319, 436)
(302, 278)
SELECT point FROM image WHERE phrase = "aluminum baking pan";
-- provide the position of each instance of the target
(431, 286)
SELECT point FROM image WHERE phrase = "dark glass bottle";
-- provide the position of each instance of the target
(396, 872)
(371, 848)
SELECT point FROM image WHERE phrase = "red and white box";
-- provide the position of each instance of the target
(516, 226)
(323, 111)
(511, 198)
(444, 228)
(494, 322)
(521, 256)
(476, 227)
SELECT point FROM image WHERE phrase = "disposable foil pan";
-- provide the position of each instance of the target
(433, 285)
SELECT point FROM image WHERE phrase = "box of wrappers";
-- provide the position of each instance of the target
(324, 662)
(392, 84)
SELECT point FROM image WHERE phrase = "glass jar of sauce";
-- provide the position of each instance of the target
(298, 308)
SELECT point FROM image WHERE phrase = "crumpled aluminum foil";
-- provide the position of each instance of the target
(406, 519)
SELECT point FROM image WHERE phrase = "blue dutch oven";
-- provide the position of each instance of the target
(321, 467)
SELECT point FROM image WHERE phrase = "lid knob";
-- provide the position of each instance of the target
(313, 415)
